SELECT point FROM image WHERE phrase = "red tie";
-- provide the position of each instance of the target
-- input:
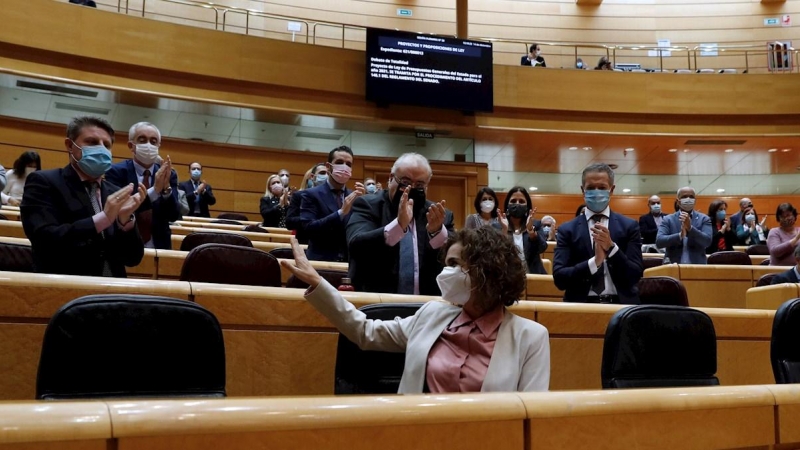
(145, 218)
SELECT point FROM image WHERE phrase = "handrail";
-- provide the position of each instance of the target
(660, 50)
(744, 49)
(575, 45)
(190, 3)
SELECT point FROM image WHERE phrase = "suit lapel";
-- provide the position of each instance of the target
(583, 234)
(76, 186)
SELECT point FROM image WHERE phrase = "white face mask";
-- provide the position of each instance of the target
(146, 153)
(455, 285)
(29, 170)
(285, 179)
(487, 206)
(687, 204)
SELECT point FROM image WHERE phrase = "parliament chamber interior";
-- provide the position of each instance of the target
(388, 224)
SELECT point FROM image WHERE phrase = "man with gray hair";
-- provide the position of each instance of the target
(159, 180)
(792, 275)
(598, 255)
(685, 234)
(394, 235)
(736, 219)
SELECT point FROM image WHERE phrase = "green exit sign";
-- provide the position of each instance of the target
(771, 22)
(404, 12)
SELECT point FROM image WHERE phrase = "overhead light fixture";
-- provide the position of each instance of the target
(630, 149)
(772, 150)
(686, 150)
(720, 190)
(533, 188)
(573, 148)
(673, 150)
(586, 149)
(786, 150)
(626, 190)
(730, 150)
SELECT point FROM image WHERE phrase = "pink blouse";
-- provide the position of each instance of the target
(460, 357)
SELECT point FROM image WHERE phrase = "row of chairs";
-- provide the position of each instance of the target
(721, 258)
(128, 346)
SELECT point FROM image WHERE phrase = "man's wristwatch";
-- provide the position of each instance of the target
(167, 191)
(435, 233)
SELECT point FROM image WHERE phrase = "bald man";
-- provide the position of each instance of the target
(685, 234)
(648, 223)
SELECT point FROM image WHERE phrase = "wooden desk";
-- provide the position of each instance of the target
(210, 219)
(266, 246)
(223, 226)
(771, 297)
(10, 214)
(73, 425)
(12, 228)
(253, 236)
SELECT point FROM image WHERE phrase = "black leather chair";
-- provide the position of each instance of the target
(253, 228)
(334, 277)
(659, 346)
(227, 222)
(730, 258)
(194, 240)
(764, 262)
(652, 262)
(765, 280)
(662, 291)
(231, 264)
(282, 253)
(16, 258)
(784, 349)
(102, 346)
(233, 216)
(370, 372)
(759, 249)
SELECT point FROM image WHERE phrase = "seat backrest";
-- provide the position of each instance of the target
(765, 279)
(227, 222)
(758, 249)
(231, 264)
(131, 346)
(659, 346)
(764, 262)
(334, 277)
(282, 253)
(730, 258)
(16, 258)
(370, 372)
(785, 346)
(3, 217)
(652, 262)
(193, 240)
(253, 228)
(233, 216)
(662, 291)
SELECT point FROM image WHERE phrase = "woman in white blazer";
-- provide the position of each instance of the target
(469, 342)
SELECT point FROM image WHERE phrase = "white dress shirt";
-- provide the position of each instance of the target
(610, 288)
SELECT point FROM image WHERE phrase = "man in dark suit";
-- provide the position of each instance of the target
(534, 58)
(325, 209)
(686, 234)
(198, 192)
(160, 182)
(395, 235)
(648, 223)
(792, 275)
(598, 255)
(736, 219)
(79, 224)
(293, 221)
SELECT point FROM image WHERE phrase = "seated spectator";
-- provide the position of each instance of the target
(751, 231)
(792, 275)
(723, 236)
(549, 228)
(534, 58)
(604, 64)
(450, 344)
(274, 203)
(686, 234)
(525, 232)
(485, 211)
(27, 163)
(580, 65)
(782, 241)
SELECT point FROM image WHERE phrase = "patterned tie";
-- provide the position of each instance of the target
(599, 277)
(145, 218)
(91, 189)
(405, 279)
(339, 197)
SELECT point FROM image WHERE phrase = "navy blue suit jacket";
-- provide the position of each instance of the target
(319, 217)
(165, 210)
(574, 249)
(699, 237)
(206, 199)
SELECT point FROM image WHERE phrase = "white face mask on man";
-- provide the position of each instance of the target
(455, 285)
(147, 153)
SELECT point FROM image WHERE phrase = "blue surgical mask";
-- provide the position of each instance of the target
(655, 209)
(309, 184)
(95, 160)
(371, 189)
(721, 215)
(596, 199)
(750, 218)
(546, 230)
(196, 173)
(321, 178)
(579, 65)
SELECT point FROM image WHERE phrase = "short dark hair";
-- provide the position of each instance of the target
(24, 159)
(341, 148)
(533, 48)
(77, 124)
(195, 162)
(489, 191)
(714, 207)
(316, 166)
(784, 207)
(495, 268)
(598, 167)
(511, 192)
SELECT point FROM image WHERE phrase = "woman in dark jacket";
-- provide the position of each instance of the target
(723, 237)
(525, 232)
(274, 203)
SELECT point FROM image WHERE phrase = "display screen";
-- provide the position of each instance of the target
(425, 70)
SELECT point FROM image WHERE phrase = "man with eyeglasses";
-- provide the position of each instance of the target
(394, 235)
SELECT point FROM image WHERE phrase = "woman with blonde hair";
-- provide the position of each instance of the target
(274, 203)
